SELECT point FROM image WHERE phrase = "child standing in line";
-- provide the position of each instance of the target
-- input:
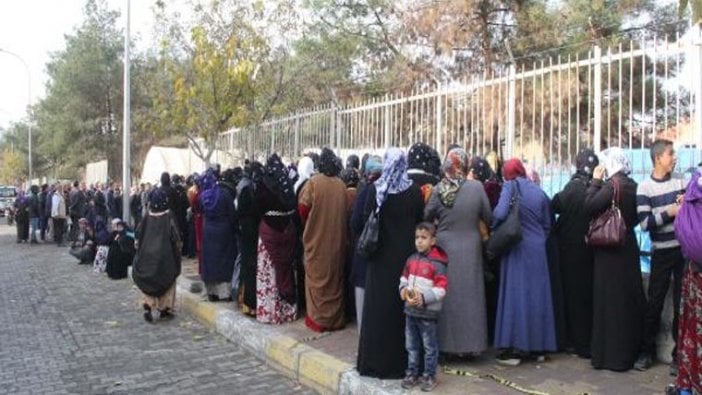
(423, 286)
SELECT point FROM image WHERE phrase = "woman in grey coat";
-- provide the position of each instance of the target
(459, 205)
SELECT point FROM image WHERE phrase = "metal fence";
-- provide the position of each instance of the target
(542, 112)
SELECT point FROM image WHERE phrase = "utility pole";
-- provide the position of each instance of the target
(126, 173)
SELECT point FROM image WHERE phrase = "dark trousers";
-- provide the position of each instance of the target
(664, 263)
(43, 224)
(59, 226)
(73, 232)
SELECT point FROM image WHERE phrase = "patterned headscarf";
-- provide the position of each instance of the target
(305, 170)
(425, 158)
(615, 161)
(158, 200)
(455, 169)
(210, 190)
(394, 179)
(512, 169)
(586, 161)
(329, 163)
(373, 164)
(350, 177)
(352, 161)
(481, 169)
(275, 178)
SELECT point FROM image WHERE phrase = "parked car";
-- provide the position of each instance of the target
(8, 193)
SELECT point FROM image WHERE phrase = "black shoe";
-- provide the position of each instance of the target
(148, 317)
(213, 298)
(644, 362)
(674, 370)
(409, 381)
(509, 358)
(428, 383)
(165, 315)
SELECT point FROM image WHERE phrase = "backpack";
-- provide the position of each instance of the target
(689, 219)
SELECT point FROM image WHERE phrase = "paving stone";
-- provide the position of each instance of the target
(65, 330)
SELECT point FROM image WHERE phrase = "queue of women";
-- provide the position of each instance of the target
(280, 241)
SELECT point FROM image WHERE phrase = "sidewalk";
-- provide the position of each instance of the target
(326, 362)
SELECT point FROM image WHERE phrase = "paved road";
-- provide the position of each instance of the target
(65, 329)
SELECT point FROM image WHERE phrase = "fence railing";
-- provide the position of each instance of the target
(541, 112)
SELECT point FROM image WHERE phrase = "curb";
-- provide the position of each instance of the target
(313, 368)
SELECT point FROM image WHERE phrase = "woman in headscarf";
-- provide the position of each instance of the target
(576, 257)
(459, 205)
(352, 162)
(618, 298)
(689, 357)
(305, 170)
(424, 167)
(22, 217)
(480, 170)
(157, 263)
(324, 212)
(121, 250)
(219, 248)
(249, 217)
(398, 202)
(83, 247)
(275, 274)
(196, 209)
(525, 325)
(373, 168)
(351, 179)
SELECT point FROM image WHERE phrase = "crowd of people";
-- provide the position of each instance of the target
(282, 242)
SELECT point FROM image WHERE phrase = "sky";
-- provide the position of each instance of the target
(33, 29)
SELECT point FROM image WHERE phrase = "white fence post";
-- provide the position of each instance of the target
(272, 148)
(439, 121)
(386, 123)
(597, 136)
(296, 142)
(511, 111)
(332, 127)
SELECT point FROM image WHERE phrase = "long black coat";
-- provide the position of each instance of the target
(158, 260)
(618, 299)
(576, 263)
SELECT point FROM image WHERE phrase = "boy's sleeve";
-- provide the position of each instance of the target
(438, 291)
(404, 279)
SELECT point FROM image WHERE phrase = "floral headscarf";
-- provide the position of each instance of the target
(424, 158)
(394, 179)
(481, 169)
(615, 161)
(585, 162)
(455, 169)
(275, 178)
(210, 190)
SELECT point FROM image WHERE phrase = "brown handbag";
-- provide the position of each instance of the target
(608, 230)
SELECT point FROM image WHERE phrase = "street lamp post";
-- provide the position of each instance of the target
(29, 109)
(126, 128)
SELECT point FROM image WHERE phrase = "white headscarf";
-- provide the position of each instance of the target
(305, 170)
(615, 160)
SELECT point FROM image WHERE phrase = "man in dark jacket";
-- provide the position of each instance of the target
(43, 216)
(34, 212)
(76, 207)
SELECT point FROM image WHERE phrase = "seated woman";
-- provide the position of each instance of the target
(83, 248)
(121, 251)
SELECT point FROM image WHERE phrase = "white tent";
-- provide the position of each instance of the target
(180, 161)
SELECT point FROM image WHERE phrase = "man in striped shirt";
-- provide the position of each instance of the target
(658, 201)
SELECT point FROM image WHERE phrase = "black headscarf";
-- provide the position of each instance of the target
(481, 169)
(165, 179)
(275, 178)
(329, 163)
(350, 177)
(423, 157)
(353, 162)
(585, 162)
(363, 163)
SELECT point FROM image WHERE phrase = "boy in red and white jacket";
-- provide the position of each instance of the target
(423, 286)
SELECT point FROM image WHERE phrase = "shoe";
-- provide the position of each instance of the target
(509, 358)
(409, 381)
(674, 370)
(428, 383)
(148, 317)
(165, 315)
(213, 298)
(644, 362)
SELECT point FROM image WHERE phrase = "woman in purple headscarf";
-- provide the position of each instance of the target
(22, 217)
(381, 350)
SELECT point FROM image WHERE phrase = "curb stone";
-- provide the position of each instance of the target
(318, 370)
